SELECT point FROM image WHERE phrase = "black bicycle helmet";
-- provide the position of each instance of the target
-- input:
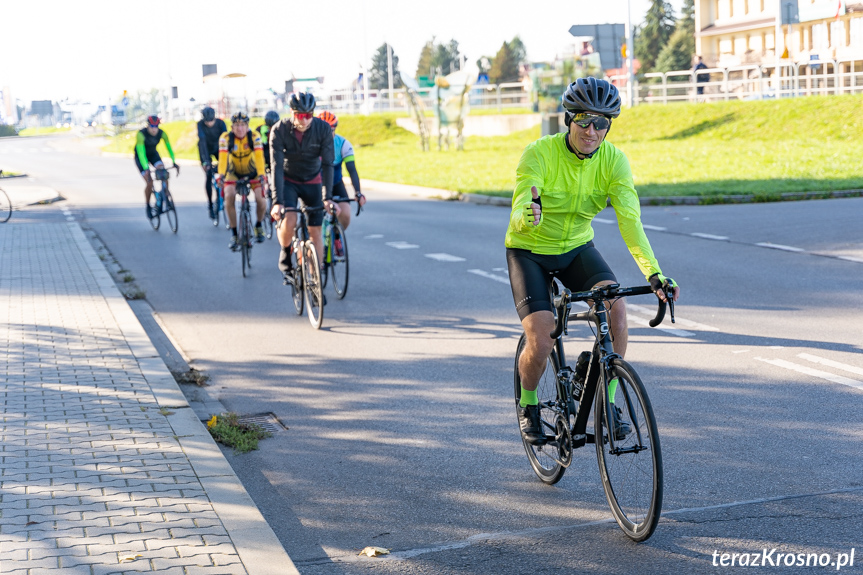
(208, 114)
(271, 118)
(591, 95)
(240, 117)
(303, 102)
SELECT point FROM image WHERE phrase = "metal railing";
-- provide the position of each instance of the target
(750, 82)
(484, 96)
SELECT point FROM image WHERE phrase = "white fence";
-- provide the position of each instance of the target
(486, 96)
(751, 82)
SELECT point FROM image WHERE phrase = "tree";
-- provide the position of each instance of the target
(439, 58)
(424, 66)
(677, 54)
(504, 67)
(379, 72)
(519, 52)
(654, 35)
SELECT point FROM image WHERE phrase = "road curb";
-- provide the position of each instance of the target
(257, 545)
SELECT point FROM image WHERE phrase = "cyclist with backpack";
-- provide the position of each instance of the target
(344, 152)
(241, 154)
(210, 128)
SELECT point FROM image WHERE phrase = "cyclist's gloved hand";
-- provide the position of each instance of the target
(361, 199)
(535, 208)
(660, 284)
(177, 167)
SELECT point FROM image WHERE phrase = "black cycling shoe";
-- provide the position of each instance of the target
(531, 426)
(234, 245)
(621, 428)
(212, 213)
(288, 278)
(259, 234)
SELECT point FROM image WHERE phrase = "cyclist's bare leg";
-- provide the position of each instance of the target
(617, 321)
(230, 194)
(148, 189)
(286, 229)
(345, 214)
(260, 203)
(537, 347)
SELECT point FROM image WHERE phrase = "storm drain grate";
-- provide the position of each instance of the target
(268, 421)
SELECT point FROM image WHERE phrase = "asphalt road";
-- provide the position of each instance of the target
(401, 432)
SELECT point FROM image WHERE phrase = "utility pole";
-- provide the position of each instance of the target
(390, 72)
(630, 76)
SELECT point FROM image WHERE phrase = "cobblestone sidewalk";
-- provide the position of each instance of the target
(103, 466)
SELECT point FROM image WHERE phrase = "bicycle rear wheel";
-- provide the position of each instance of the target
(339, 260)
(632, 472)
(245, 240)
(5, 207)
(543, 460)
(155, 221)
(171, 211)
(312, 288)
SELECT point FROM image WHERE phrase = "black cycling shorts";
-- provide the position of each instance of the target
(152, 157)
(340, 192)
(310, 194)
(530, 275)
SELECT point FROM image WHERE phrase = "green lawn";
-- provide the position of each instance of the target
(762, 148)
(42, 131)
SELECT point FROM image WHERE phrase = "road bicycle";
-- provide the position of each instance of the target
(5, 206)
(336, 252)
(269, 223)
(219, 199)
(161, 201)
(630, 458)
(245, 231)
(305, 278)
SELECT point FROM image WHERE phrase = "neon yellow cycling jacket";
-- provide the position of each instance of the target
(572, 192)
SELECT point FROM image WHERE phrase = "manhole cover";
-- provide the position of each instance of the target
(268, 421)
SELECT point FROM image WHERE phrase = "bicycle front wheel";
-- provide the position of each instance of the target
(5, 207)
(171, 212)
(312, 288)
(245, 240)
(631, 471)
(544, 459)
(339, 261)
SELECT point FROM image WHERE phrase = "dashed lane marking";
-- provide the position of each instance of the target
(779, 247)
(373, 237)
(402, 245)
(654, 228)
(710, 237)
(830, 363)
(445, 258)
(813, 372)
(671, 330)
(603, 221)
(682, 321)
(490, 276)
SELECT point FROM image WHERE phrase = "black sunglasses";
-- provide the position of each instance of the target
(584, 120)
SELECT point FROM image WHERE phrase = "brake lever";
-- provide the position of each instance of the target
(669, 295)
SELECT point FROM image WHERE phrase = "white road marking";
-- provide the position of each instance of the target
(851, 259)
(498, 269)
(682, 321)
(740, 351)
(709, 236)
(671, 330)
(813, 372)
(445, 258)
(373, 237)
(402, 245)
(830, 363)
(603, 221)
(779, 247)
(490, 276)
(654, 228)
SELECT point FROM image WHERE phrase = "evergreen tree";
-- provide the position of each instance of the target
(504, 67)
(379, 72)
(677, 54)
(654, 35)
(424, 66)
(519, 52)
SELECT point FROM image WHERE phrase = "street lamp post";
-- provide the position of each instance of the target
(629, 44)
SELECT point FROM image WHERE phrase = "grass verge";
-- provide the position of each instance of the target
(227, 430)
(42, 131)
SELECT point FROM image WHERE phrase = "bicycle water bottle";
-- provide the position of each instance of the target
(581, 365)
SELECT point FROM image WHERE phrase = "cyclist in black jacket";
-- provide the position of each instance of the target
(302, 167)
(209, 130)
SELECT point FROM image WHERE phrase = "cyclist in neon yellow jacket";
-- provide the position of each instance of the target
(562, 182)
(145, 154)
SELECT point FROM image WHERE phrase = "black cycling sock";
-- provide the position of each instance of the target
(234, 232)
(259, 224)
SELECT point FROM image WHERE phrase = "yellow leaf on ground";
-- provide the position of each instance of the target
(374, 551)
(212, 422)
(131, 558)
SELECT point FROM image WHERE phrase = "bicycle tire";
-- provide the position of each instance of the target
(245, 230)
(268, 219)
(544, 465)
(5, 207)
(327, 236)
(312, 288)
(339, 260)
(632, 480)
(171, 212)
(155, 221)
(297, 295)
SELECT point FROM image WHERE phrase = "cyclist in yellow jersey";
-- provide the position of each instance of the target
(562, 182)
(241, 155)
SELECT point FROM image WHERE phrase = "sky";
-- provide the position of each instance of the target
(96, 49)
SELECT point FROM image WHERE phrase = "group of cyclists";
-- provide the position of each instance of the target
(292, 159)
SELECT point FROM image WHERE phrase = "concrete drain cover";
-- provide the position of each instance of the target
(266, 420)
